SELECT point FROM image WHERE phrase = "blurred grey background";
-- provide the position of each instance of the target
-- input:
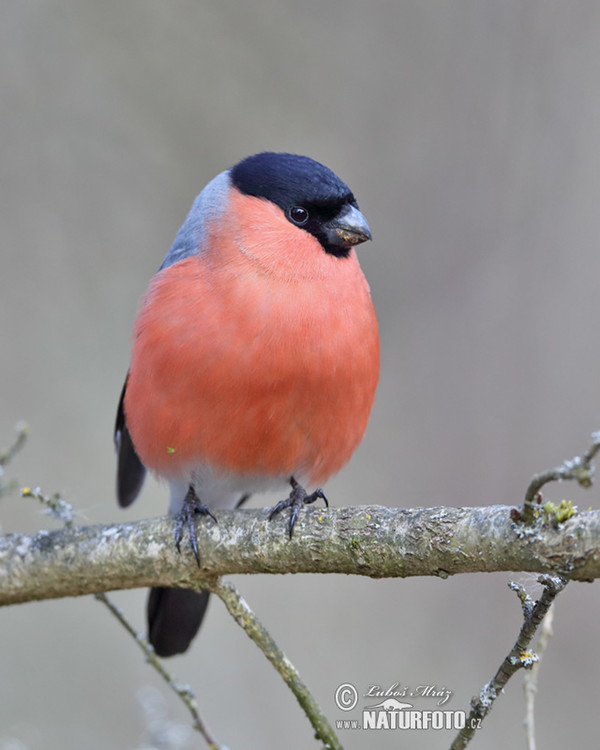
(470, 133)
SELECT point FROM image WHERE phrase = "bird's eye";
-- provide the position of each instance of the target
(298, 215)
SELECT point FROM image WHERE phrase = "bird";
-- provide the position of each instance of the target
(254, 361)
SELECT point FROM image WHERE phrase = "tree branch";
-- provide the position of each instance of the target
(185, 693)
(530, 682)
(246, 619)
(368, 540)
(580, 469)
(520, 657)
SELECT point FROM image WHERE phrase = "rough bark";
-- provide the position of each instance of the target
(368, 540)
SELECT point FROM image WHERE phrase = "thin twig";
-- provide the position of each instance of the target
(63, 511)
(520, 657)
(245, 617)
(530, 683)
(6, 456)
(186, 694)
(579, 468)
(56, 505)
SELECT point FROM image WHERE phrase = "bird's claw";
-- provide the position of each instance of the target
(185, 519)
(296, 499)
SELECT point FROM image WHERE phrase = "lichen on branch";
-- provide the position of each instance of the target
(368, 540)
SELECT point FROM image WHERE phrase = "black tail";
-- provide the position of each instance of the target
(174, 616)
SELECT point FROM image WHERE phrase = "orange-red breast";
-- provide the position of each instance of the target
(255, 355)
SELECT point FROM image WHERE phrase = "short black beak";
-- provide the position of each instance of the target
(348, 228)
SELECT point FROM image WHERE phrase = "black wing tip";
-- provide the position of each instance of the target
(131, 472)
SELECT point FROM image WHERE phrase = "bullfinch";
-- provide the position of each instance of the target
(255, 357)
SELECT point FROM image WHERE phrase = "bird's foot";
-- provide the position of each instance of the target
(185, 518)
(297, 498)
